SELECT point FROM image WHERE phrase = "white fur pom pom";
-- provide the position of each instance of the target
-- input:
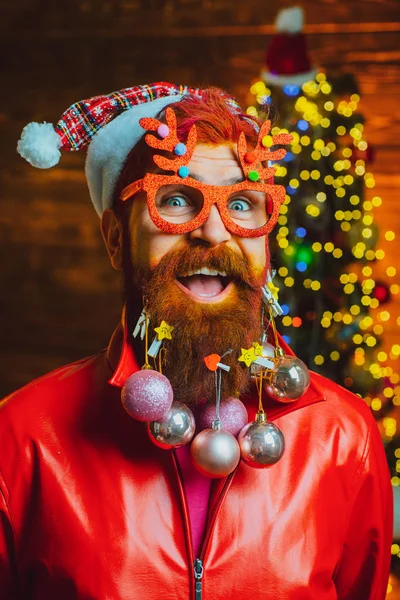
(39, 145)
(290, 20)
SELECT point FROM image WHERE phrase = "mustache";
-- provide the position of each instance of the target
(181, 261)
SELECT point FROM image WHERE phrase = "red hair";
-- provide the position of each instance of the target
(217, 122)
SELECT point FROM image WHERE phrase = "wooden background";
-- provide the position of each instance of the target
(59, 298)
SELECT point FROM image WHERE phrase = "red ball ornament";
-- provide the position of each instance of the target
(381, 292)
(147, 395)
(232, 412)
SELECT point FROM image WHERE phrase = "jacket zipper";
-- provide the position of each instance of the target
(198, 575)
(198, 568)
(198, 562)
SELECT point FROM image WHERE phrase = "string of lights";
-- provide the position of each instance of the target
(335, 309)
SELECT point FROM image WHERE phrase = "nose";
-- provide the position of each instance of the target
(213, 230)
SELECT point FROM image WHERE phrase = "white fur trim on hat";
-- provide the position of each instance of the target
(290, 20)
(39, 145)
(282, 80)
(110, 147)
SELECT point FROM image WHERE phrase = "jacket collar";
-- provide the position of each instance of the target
(123, 362)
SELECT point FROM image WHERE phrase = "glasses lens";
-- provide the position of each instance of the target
(178, 203)
(248, 208)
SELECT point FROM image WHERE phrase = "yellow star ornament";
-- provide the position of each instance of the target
(248, 356)
(258, 349)
(164, 331)
(273, 289)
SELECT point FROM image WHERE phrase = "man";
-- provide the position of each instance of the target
(90, 507)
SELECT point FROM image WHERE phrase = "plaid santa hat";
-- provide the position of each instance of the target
(108, 126)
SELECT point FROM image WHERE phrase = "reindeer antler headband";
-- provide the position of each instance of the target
(251, 164)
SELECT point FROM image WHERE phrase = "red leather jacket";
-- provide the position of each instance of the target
(91, 510)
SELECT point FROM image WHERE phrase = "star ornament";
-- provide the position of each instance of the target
(248, 356)
(164, 331)
(273, 289)
(258, 349)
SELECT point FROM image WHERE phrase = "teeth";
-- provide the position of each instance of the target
(205, 271)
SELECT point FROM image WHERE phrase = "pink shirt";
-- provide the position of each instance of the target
(197, 489)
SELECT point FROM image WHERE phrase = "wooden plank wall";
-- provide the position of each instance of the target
(59, 298)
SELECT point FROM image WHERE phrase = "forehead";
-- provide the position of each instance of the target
(215, 163)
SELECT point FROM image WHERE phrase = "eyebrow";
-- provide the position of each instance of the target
(227, 182)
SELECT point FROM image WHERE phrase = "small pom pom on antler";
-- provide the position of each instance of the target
(39, 145)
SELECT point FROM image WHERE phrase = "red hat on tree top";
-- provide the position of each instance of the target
(287, 59)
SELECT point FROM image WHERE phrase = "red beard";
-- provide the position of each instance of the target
(201, 329)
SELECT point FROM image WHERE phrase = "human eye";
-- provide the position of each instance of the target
(175, 201)
(239, 205)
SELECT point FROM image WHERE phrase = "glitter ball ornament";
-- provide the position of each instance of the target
(147, 395)
(261, 443)
(289, 380)
(215, 453)
(232, 412)
(176, 428)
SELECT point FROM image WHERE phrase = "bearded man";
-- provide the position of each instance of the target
(90, 506)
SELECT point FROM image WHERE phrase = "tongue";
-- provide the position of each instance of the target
(204, 285)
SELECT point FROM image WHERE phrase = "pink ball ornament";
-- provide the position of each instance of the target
(147, 395)
(215, 453)
(232, 412)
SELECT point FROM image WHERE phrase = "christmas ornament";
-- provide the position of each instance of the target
(176, 428)
(233, 415)
(381, 292)
(267, 351)
(289, 379)
(147, 395)
(164, 332)
(261, 443)
(213, 362)
(254, 355)
(215, 452)
(270, 297)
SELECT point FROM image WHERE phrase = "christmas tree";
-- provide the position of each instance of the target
(327, 240)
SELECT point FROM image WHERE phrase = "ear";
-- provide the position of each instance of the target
(111, 230)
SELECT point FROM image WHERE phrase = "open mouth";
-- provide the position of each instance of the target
(205, 285)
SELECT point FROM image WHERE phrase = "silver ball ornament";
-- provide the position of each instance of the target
(176, 428)
(215, 453)
(289, 379)
(261, 443)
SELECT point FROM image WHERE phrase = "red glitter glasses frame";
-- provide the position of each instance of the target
(212, 194)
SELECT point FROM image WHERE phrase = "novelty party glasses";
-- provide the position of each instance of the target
(179, 203)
